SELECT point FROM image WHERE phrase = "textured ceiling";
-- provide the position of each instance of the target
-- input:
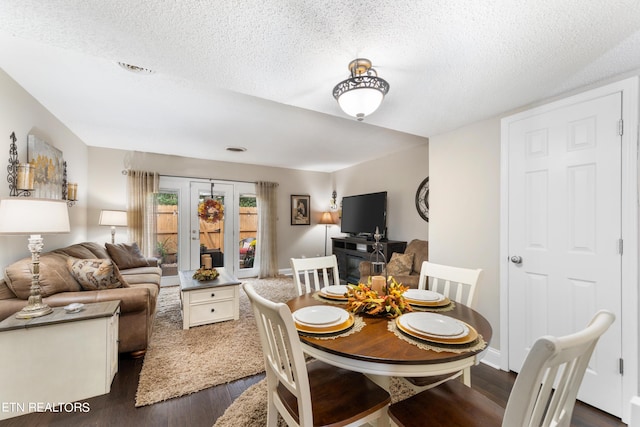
(259, 74)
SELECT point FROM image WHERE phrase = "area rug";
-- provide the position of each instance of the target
(179, 362)
(250, 408)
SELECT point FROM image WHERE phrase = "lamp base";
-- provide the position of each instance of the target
(34, 309)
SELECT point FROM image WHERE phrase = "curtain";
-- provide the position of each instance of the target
(266, 195)
(141, 217)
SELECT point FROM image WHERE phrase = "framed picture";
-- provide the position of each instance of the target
(300, 210)
(49, 168)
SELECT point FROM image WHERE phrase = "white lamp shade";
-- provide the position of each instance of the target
(22, 215)
(113, 218)
(360, 102)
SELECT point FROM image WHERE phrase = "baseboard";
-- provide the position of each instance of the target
(286, 272)
(634, 419)
(491, 358)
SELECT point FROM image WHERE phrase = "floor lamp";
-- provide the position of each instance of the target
(34, 217)
(327, 220)
(113, 219)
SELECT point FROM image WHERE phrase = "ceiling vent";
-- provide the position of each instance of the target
(135, 69)
(236, 149)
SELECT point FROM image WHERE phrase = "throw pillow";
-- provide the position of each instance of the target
(95, 274)
(126, 256)
(400, 264)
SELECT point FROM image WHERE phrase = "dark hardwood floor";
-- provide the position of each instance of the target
(203, 408)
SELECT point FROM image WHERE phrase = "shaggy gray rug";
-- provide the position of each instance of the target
(250, 408)
(179, 362)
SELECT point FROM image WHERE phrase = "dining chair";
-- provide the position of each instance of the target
(308, 268)
(458, 284)
(533, 402)
(314, 393)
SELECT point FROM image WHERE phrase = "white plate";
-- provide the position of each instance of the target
(338, 290)
(321, 315)
(435, 324)
(423, 295)
(73, 307)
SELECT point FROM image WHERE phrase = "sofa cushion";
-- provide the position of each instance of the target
(54, 276)
(85, 250)
(126, 256)
(420, 250)
(400, 264)
(95, 274)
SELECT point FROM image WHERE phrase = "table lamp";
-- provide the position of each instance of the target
(113, 219)
(34, 217)
(327, 220)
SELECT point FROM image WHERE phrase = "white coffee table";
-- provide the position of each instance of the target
(209, 301)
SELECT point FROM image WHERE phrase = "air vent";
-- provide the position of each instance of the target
(135, 68)
(236, 149)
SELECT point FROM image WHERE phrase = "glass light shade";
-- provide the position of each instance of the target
(26, 175)
(22, 215)
(360, 102)
(113, 218)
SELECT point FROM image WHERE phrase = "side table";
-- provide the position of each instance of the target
(209, 301)
(58, 358)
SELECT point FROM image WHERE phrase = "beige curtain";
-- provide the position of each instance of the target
(141, 217)
(266, 195)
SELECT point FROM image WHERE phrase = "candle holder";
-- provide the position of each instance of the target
(69, 190)
(377, 261)
(20, 175)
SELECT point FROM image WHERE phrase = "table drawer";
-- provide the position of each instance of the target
(211, 312)
(212, 294)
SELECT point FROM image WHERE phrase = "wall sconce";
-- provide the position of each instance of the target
(21, 175)
(333, 204)
(69, 189)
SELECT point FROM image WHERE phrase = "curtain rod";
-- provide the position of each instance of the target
(125, 172)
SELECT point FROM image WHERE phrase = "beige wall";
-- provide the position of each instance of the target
(465, 208)
(399, 174)
(22, 114)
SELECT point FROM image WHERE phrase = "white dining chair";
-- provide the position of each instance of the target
(305, 273)
(314, 393)
(457, 283)
(533, 402)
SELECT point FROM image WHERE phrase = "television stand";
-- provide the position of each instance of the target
(351, 251)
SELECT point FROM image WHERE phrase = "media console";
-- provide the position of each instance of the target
(351, 251)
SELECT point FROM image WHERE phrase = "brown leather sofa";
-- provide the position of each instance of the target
(418, 251)
(59, 288)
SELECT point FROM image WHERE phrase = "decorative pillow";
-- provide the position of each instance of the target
(95, 274)
(400, 264)
(126, 256)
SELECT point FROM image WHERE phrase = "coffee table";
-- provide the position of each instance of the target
(209, 301)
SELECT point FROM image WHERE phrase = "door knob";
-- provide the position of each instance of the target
(516, 259)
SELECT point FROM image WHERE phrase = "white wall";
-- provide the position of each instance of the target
(108, 191)
(465, 208)
(22, 114)
(399, 174)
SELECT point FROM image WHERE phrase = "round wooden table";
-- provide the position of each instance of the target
(380, 353)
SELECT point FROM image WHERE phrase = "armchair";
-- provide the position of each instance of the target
(405, 268)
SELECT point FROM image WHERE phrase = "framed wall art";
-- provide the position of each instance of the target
(49, 168)
(300, 210)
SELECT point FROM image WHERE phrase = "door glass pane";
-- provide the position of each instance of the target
(212, 217)
(167, 232)
(248, 230)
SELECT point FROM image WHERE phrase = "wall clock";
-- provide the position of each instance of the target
(422, 199)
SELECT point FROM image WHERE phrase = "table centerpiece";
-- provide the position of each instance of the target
(389, 303)
(204, 274)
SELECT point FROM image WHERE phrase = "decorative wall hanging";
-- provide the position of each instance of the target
(20, 175)
(300, 210)
(422, 199)
(49, 169)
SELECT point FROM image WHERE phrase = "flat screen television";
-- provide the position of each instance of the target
(361, 214)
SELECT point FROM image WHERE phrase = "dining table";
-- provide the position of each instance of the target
(377, 351)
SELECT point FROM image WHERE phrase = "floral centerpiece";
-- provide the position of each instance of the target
(211, 210)
(362, 299)
(204, 274)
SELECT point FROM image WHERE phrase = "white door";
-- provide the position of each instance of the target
(564, 215)
(215, 235)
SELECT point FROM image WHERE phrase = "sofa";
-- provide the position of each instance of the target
(405, 268)
(137, 281)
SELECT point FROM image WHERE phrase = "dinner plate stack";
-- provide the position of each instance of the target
(322, 319)
(425, 298)
(335, 292)
(436, 328)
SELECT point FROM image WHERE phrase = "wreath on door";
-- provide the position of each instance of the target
(211, 210)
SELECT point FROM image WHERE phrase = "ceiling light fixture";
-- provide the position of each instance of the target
(362, 93)
(135, 68)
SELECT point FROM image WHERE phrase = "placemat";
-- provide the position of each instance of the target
(479, 344)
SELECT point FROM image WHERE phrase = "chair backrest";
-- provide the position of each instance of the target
(305, 270)
(283, 357)
(562, 360)
(459, 284)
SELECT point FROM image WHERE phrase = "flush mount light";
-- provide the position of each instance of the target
(362, 93)
(135, 68)
(236, 149)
